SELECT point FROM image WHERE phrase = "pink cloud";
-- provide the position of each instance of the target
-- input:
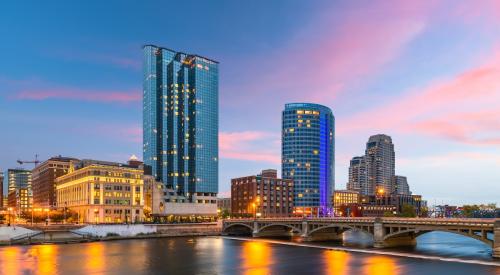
(106, 96)
(463, 108)
(249, 145)
(333, 54)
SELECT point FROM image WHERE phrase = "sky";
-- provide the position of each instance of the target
(427, 73)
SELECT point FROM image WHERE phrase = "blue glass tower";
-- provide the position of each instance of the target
(308, 155)
(180, 120)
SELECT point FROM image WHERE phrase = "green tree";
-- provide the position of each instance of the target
(408, 211)
(468, 210)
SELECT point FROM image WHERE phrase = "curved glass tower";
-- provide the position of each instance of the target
(308, 155)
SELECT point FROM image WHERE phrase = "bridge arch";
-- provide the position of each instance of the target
(243, 226)
(418, 232)
(294, 228)
(343, 228)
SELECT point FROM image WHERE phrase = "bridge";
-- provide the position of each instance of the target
(386, 232)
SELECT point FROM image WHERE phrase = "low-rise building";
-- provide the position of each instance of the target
(262, 195)
(102, 192)
(43, 182)
(223, 204)
(342, 198)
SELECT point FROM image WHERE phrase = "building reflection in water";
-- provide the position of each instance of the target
(380, 265)
(257, 258)
(47, 257)
(94, 258)
(336, 262)
(9, 262)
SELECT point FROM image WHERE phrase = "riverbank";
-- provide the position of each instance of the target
(18, 235)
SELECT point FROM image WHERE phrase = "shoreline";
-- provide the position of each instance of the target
(371, 251)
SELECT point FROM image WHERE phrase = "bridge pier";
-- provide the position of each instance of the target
(380, 240)
(496, 240)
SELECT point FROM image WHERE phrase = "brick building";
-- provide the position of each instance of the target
(43, 180)
(262, 195)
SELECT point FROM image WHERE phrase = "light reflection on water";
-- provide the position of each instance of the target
(210, 255)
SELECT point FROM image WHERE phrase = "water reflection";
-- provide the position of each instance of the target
(9, 262)
(94, 257)
(337, 262)
(256, 258)
(380, 265)
(46, 257)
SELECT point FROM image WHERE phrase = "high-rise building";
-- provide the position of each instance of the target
(180, 122)
(308, 155)
(19, 189)
(358, 178)
(380, 164)
(262, 195)
(44, 175)
(400, 186)
(1, 189)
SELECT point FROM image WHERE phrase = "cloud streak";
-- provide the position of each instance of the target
(463, 108)
(250, 146)
(105, 96)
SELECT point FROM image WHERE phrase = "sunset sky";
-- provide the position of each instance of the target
(427, 74)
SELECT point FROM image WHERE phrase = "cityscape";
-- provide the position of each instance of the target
(346, 184)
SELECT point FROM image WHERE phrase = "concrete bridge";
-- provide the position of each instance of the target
(386, 232)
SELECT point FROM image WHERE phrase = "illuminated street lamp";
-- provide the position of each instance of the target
(48, 218)
(254, 212)
(9, 209)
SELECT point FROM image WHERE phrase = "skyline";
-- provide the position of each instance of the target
(75, 89)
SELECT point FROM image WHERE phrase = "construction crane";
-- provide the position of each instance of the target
(36, 161)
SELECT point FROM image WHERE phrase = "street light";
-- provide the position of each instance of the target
(10, 209)
(48, 218)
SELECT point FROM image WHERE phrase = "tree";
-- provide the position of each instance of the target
(408, 211)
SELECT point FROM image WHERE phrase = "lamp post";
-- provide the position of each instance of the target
(48, 218)
(254, 212)
(9, 209)
(32, 215)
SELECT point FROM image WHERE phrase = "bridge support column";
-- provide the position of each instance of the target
(496, 240)
(378, 233)
(255, 231)
(380, 240)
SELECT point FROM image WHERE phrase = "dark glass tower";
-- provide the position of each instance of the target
(180, 120)
(308, 155)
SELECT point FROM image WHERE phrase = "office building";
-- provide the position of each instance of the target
(44, 176)
(102, 191)
(342, 198)
(180, 123)
(224, 205)
(400, 186)
(358, 178)
(308, 156)
(20, 194)
(263, 195)
(380, 164)
(1, 190)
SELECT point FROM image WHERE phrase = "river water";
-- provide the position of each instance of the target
(219, 255)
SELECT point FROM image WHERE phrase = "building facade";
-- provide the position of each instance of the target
(342, 198)
(380, 164)
(358, 178)
(262, 195)
(224, 205)
(180, 122)
(1, 190)
(20, 194)
(102, 192)
(400, 186)
(308, 155)
(44, 176)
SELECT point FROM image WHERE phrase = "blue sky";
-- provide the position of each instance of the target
(428, 74)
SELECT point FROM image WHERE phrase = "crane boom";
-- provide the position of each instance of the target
(36, 161)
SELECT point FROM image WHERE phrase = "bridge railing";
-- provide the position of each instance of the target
(390, 220)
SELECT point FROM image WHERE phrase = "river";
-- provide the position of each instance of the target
(219, 255)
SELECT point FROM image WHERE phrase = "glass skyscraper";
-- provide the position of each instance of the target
(308, 155)
(180, 120)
